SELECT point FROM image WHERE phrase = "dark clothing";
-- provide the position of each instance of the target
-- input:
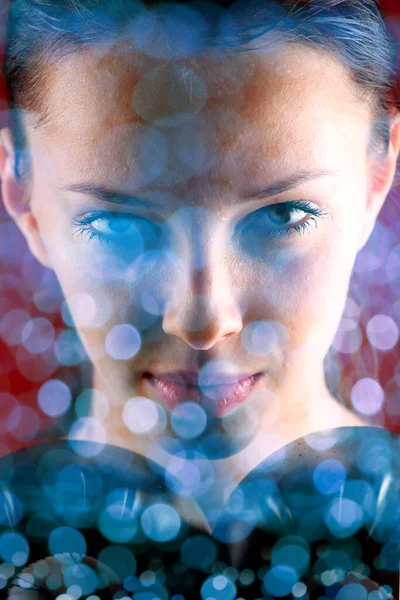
(304, 519)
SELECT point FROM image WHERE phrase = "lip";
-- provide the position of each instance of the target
(171, 389)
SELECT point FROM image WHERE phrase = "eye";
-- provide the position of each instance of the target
(256, 230)
(278, 219)
(282, 215)
(114, 226)
(122, 231)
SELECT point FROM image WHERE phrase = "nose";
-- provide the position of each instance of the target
(205, 310)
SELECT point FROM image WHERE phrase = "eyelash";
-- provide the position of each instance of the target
(304, 226)
(83, 228)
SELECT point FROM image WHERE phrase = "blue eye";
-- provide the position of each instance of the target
(120, 230)
(279, 219)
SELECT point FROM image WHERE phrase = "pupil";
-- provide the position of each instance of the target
(279, 214)
(119, 226)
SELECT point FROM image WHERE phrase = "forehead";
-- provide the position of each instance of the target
(278, 105)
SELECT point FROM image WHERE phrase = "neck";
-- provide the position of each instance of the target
(300, 414)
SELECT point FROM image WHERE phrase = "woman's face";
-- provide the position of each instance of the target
(204, 216)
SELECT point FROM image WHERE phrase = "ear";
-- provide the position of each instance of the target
(16, 195)
(382, 169)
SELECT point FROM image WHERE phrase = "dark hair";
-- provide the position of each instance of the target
(353, 30)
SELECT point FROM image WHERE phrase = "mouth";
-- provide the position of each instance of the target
(218, 397)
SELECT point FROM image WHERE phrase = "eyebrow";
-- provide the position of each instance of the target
(284, 185)
(106, 195)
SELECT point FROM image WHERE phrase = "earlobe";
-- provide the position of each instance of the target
(15, 194)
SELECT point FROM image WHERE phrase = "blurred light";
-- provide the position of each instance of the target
(352, 591)
(280, 580)
(177, 93)
(81, 575)
(14, 549)
(299, 589)
(123, 342)
(24, 423)
(219, 587)
(8, 404)
(91, 430)
(68, 348)
(158, 37)
(382, 332)
(54, 398)
(261, 338)
(118, 524)
(67, 540)
(292, 551)
(121, 560)
(184, 477)
(348, 338)
(26, 580)
(329, 476)
(322, 440)
(367, 396)
(12, 326)
(140, 415)
(75, 592)
(81, 310)
(37, 335)
(344, 517)
(147, 578)
(247, 577)
(160, 522)
(188, 420)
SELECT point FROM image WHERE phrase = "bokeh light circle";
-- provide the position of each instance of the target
(344, 517)
(219, 587)
(54, 398)
(81, 311)
(160, 522)
(14, 548)
(38, 335)
(140, 415)
(123, 342)
(67, 540)
(12, 325)
(299, 589)
(8, 404)
(188, 420)
(184, 477)
(69, 349)
(120, 559)
(329, 476)
(24, 423)
(261, 338)
(80, 575)
(198, 552)
(382, 332)
(367, 396)
(176, 93)
(348, 338)
(279, 580)
(87, 429)
(353, 591)
(292, 551)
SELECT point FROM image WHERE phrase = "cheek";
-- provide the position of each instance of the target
(103, 292)
(305, 291)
